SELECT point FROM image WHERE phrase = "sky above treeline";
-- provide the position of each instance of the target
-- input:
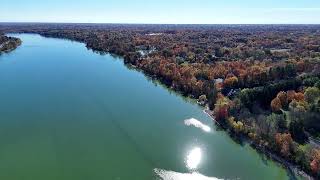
(162, 11)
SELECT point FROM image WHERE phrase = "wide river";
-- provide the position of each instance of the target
(67, 113)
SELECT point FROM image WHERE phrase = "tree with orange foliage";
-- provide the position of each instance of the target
(290, 95)
(231, 82)
(299, 96)
(276, 105)
(283, 98)
(284, 143)
(300, 66)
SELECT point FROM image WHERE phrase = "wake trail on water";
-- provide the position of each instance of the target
(198, 124)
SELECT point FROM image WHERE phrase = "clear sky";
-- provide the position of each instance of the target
(163, 11)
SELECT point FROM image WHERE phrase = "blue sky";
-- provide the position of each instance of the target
(163, 11)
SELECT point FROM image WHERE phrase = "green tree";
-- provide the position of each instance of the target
(212, 96)
(317, 84)
(297, 131)
(312, 94)
(245, 97)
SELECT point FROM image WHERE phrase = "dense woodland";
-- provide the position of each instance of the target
(262, 82)
(8, 44)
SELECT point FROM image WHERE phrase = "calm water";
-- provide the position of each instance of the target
(68, 113)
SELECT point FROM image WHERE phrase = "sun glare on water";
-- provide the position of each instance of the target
(194, 158)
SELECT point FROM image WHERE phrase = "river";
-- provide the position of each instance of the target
(69, 113)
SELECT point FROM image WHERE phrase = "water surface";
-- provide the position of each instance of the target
(69, 113)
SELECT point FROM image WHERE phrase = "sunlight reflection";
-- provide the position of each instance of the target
(198, 124)
(194, 158)
(171, 175)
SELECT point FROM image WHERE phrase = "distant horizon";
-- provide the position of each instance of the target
(162, 12)
(26, 22)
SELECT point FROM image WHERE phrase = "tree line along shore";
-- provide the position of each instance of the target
(261, 82)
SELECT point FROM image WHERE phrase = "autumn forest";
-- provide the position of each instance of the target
(261, 83)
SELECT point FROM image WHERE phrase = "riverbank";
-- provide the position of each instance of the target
(286, 164)
(292, 168)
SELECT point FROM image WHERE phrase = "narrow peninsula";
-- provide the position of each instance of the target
(8, 44)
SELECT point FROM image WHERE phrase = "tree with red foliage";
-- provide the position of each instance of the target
(221, 108)
(315, 161)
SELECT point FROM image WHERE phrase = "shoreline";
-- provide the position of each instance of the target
(295, 170)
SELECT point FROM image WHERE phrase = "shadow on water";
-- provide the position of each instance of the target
(158, 82)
